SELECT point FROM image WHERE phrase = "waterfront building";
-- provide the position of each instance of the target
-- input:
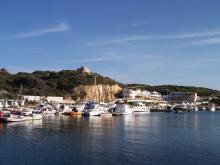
(48, 98)
(32, 98)
(9, 103)
(2, 103)
(54, 99)
(129, 93)
(189, 97)
(134, 94)
(156, 96)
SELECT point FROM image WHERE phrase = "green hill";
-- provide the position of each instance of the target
(63, 82)
(164, 89)
(46, 83)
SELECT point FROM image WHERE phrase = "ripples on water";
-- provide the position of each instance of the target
(156, 138)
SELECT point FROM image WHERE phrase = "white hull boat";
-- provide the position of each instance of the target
(92, 109)
(141, 110)
(37, 116)
(19, 118)
(50, 112)
(122, 109)
(26, 112)
(212, 109)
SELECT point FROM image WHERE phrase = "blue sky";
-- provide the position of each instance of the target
(133, 41)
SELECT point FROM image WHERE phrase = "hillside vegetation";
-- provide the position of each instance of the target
(47, 83)
(62, 83)
(164, 89)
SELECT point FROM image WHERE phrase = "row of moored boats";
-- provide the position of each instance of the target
(84, 109)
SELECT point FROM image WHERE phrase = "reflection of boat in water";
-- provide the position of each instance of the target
(122, 109)
(106, 114)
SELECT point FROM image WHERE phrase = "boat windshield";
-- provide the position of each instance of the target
(90, 106)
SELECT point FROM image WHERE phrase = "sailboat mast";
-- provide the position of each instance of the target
(20, 92)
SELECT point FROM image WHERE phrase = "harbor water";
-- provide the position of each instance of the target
(154, 139)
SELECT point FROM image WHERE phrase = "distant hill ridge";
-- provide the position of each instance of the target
(63, 83)
(59, 83)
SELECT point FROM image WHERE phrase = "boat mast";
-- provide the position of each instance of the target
(20, 92)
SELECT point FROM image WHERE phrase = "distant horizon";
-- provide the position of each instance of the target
(148, 42)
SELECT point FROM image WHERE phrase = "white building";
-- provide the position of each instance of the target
(8, 103)
(55, 99)
(128, 93)
(156, 96)
(48, 98)
(32, 98)
(133, 94)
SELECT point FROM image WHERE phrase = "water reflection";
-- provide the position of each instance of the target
(132, 139)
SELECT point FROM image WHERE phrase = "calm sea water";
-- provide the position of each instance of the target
(156, 138)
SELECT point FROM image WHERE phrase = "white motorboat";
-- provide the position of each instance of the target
(65, 109)
(17, 118)
(49, 111)
(139, 107)
(122, 109)
(20, 118)
(26, 112)
(180, 108)
(37, 116)
(212, 108)
(92, 109)
(79, 107)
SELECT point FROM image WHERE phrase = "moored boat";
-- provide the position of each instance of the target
(212, 108)
(92, 109)
(17, 118)
(122, 109)
(180, 108)
(139, 107)
(20, 118)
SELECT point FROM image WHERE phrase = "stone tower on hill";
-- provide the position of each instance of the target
(84, 69)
